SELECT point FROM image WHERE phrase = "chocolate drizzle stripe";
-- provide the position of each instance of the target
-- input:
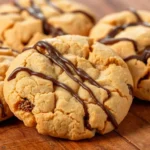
(37, 13)
(86, 14)
(57, 58)
(55, 82)
(132, 57)
(109, 39)
(133, 11)
(41, 75)
(143, 57)
(113, 41)
(78, 71)
(62, 62)
(117, 29)
(92, 19)
(74, 11)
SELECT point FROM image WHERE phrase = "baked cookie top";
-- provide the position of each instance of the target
(25, 22)
(128, 33)
(6, 57)
(69, 87)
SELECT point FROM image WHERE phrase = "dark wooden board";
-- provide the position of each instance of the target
(132, 134)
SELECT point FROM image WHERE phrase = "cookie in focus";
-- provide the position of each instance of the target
(69, 87)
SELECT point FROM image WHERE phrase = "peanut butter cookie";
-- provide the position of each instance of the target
(25, 22)
(6, 57)
(69, 87)
(128, 34)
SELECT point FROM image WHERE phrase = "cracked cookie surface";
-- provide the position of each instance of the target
(28, 21)
(69, 87)
(128, 34)
(6, 57)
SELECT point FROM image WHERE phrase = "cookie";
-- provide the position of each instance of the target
(128, 34)
(69, 87)
(6, 57)
(25, 22)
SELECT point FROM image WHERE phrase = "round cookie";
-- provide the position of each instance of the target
(128, 34)
(6, 57)
(25, 22)
(69, 87)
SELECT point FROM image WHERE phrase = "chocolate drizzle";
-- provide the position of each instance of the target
(91, 18)
(117, 29)
(86, 14)
(74, 11)
(48, 29)
(109, 39)
(35, 11)
(143, 57)
(138, 17)
(55, 82)
(65, 64)
(113, 41)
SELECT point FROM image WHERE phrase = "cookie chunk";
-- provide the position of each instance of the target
(6, 57)
(128, 34)
(25, 22)
(69, 87)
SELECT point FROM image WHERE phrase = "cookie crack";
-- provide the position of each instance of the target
(46, 77)
(105, 124)
(119, 93)
(68, 113)
(73, 119)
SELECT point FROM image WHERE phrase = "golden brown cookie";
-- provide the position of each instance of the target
(6, 57)
(25, 22)
(128, 34)
(69, 87)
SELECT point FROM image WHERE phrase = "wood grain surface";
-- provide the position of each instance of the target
(132, 134)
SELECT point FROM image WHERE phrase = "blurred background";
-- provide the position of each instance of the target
(103, 7)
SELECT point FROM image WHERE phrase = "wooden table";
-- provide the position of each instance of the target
(132, 134)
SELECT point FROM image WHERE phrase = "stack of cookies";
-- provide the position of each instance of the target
(66, 84)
